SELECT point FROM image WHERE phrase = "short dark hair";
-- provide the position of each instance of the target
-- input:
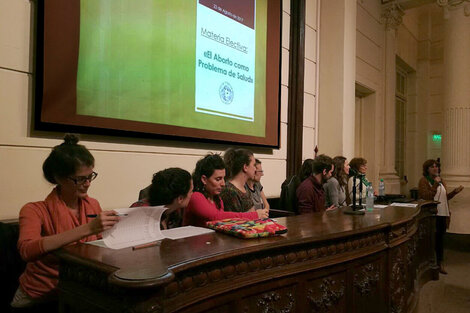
(206, 166)
(320, 163)
(66, 158)
(427, 164)
(306, 170)
(169, 184)
(235, 159)
(356, 163)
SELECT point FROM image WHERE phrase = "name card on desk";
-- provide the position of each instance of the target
(185, 231)
(405, 205)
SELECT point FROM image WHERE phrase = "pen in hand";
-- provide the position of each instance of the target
(117, 214)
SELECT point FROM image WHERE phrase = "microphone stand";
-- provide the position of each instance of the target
(354, 208)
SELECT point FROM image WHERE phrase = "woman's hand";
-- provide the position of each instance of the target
(332, 207)
(104, 221)
(458, 189)
(263, 213)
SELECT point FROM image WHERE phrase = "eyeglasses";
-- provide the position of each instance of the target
(80, 180)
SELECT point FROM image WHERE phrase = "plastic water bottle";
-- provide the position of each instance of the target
(369, 198)
(381, 188)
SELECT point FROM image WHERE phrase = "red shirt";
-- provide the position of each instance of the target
(200, 210)
(310, 196)
(41, 219)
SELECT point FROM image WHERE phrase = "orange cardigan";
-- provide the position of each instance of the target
(41, 219)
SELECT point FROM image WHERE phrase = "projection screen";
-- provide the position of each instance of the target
(206, 70)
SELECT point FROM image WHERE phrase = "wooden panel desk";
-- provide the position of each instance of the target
(328, 262)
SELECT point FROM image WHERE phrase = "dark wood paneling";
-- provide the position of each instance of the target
(327, 262)
(296, 87)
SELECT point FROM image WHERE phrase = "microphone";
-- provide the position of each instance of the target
(354, 172)
(439, 175)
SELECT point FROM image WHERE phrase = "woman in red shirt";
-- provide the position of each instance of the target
(206, 204)
(59, 220)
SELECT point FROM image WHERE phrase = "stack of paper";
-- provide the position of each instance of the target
(141, 225)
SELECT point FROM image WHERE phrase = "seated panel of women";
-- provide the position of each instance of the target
(59, 220)
(172, 188)
(206, 204)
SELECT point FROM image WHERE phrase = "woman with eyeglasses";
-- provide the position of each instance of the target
(59, 220)
(255, 189)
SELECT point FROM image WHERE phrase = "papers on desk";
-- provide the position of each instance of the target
(185, 231)
(98, 243)
(141, 226)
(380, 206)
(405, 205)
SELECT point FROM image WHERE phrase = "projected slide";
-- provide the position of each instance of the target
(225, 58)
(137, 62)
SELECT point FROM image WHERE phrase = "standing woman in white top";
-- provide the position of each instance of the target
(432, 187)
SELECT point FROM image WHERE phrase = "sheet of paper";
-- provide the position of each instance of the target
(140, 226)
(98, 243)
(380, 206)
(406, 205)
(186, 231)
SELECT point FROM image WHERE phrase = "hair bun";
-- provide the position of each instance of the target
(71, 139)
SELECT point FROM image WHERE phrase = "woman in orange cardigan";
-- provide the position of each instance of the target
(59, 220)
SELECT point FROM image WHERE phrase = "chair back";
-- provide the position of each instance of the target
(288, 194)
(11, 264)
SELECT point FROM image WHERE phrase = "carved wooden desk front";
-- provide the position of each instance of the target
(327, 262)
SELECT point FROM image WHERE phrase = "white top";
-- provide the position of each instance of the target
(358, 194)
(441, 196)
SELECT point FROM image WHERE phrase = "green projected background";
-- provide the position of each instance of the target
(137, 62)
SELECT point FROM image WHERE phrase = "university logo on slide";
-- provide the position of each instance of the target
(226, 93)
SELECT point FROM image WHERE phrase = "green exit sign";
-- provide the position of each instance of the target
(437, 137)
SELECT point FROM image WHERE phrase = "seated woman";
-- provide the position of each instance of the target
(206, 204)
(432, 187)
(306, 170)
(59, 220)
(358, 166)
(255, 189)
(172, 188)
(335, 187)
(240, 165)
